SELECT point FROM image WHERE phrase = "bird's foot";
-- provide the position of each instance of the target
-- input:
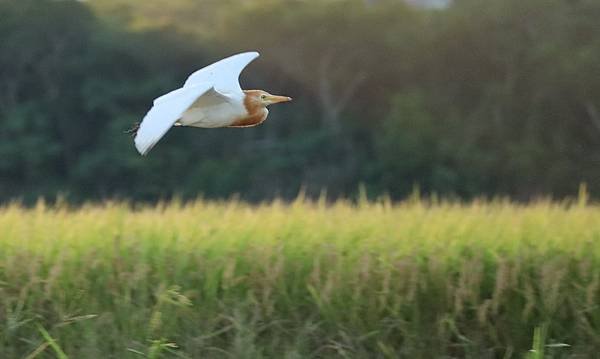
(133, 130)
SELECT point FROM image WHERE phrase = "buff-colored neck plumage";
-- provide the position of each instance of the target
(256, 110)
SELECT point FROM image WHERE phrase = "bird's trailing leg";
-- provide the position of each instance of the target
(134, 129)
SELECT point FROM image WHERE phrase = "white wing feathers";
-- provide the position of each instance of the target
(224, 74)
(221, 77)
(165, 112)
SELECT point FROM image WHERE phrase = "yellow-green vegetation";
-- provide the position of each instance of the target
(417, 279)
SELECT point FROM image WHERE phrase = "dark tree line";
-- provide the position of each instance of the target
(497, 97)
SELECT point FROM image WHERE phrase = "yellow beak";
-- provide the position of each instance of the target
(277, 99)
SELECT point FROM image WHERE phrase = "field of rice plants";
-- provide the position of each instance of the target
(416, 279)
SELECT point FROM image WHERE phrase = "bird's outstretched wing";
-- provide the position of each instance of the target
(224, 74)
(165, 112)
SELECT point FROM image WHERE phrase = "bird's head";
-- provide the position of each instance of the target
(263, 99)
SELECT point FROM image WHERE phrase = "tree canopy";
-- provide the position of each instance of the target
(497, 97)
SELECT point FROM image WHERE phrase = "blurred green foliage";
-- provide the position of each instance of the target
(497, 97)
(206, 279)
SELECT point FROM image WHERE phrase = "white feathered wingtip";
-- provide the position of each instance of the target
(225, 72)
(164, 114)
(143, 147)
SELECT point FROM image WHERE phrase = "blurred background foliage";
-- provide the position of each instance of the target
(495, 97)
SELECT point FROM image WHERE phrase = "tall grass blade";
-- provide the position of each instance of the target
(53, 344)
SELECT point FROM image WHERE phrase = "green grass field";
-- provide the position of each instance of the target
(302, 280)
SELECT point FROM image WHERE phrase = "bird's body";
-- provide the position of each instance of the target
(214, 110)
(210, 98)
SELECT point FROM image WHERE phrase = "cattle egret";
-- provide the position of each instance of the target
(211, 97)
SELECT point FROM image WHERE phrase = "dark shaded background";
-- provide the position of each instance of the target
(496, 97)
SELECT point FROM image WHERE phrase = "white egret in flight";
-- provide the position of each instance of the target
(211, 97)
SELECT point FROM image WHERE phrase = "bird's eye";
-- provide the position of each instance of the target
(263, 97)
